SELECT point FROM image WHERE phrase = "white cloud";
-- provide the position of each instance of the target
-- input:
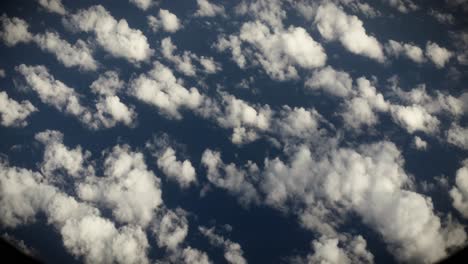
(142, 4)
(54, 6)
(165, 20)
(182, 172)
(438, 55)
(230, 178)
(14, 31)
(443, 18)
(334, 24)
(171, 229)
(279, 52)
(404, 6)
(128, 188)
(420, 143)
(13, 113)
(207, 9)
(69, 55)
(297, 122)
(2, 73)
(410, 51)
(270, 12)
(110, 111)
(458, 136)
(116, 37)
(414, 118)
(107, 84)
(160, 88)
(194, 256)
(233, 43)
(183, 63)
(328, 250)
(232, 251)
(337, 83)
(459, 192)
(209, 64)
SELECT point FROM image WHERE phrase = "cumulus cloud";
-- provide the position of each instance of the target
(443, 18)
(438, 55)
(334, 24)
(404, 6)
(297, 123)
(328, 250)
(13, 113)
(230, 178)
(232, 251)
(207, 9)
(181, 172)
(194, 256)
(278, 52)
(165, 20)
(116, 37)
(419, 143)
(79, 54)
(410, 51)
(458, 136)
(142, 4)
(415, 118)
(337, 83)
(107, 84)
(128, 188)
(160, 88)
(53, 6)
(459, 192)
(14, 30)
(171, 229)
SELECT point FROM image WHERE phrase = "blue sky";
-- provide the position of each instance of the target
(208, 131)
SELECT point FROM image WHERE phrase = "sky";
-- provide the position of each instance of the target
(250, 131)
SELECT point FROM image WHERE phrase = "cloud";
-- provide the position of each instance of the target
(2, 73)
(110, 111)
(459, 193)
(334, 24)
(69, 55)
(438, 55)
(14, 31)
(337, 83)
(327, 250)
(443, 18)
(183, 63)
(160, 88)
(165, 20)
(415, 118)
(404, 6)
(298, 123)
(410, 51)
(116, 37)
(53, 6)
(458, 136)
(270, 12)
(107, 84)
(194, 256)
(419, 143)
(181, 172)
(230, 178)
(171, 229)
(207, 9)
(128, 188)
(142, 4)
(232, 251)
(13, 113)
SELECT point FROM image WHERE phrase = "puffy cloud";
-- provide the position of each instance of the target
(107, 84)
(458, 136)
(54, 6)
(298, 123)
(165, 20)
(69, 55)
(414, 118)
(160, 88)
(207, 9)
(13, 113)
(370, 182)
(128, 188)
(327, 250)
(53, 92)
(110, 111)
(420, 143)
(360, 110)
(232, 251)
(142, 4)
(171, 229)
(230, 178)
(182, 172)
(233, 44)
(270, 12)
(14, 30)
(116, 37)
(337, 83)
(209, 64)
(334, 24)
(443, 18)
(194, 256)
(410, 51)
(279, 52)
(404, 6)
(459, 192)
(58, 157)
(2, 73)
(438, 55)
